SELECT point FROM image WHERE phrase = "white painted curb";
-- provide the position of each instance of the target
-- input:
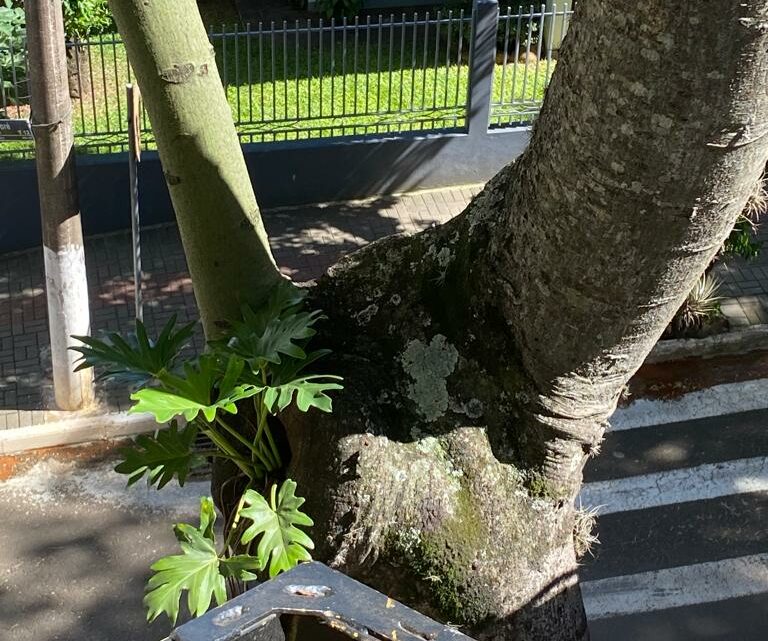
(83, 429)
(719, 400)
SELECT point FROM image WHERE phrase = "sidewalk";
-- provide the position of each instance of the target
(305, 240)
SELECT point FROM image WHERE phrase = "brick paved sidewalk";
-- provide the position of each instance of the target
(305, 241)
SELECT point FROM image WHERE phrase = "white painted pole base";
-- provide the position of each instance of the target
(67, 292)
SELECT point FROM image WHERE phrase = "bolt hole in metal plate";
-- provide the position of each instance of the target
(314, 603)
(310, 591)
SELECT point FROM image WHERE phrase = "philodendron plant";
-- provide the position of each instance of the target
(259, 361)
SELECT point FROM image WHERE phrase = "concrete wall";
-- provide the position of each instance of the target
(282, 173)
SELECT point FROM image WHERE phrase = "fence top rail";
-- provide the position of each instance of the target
(303, 27)
(322, 25)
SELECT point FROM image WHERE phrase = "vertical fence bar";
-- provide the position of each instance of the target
(104, 83)
(459, 51)
(482, 59)
(414, 39)
(285, 69)
(320, 65)
(523, 93)
(274, 72)
(333, 68)
(437, 62)
(262, 115)
(3, 101)
(378, 69)
(367, 63)
(238, 120)
(120, 120)
(402, 63)
(518, 27)
(344, 67)
(534, 99)
(248, 70)
(355, 63)
(504, 65)
(309, 67)
(296, 35)
(89, 49)
(80, 99)
(425, 53)
(224, 61)
(448, 58)
(14, 77)
(390, 62)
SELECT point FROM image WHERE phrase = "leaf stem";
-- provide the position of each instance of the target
(219, 441)
(265, 461)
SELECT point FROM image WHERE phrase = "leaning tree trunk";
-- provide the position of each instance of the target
(483, 358)
(224, 239)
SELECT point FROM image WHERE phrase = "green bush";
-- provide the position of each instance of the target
(12, 49)
(83, 18)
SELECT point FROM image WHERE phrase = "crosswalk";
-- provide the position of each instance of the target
(683, 531)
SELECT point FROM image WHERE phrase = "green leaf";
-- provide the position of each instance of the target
(242, 567)
(162, 456)
(196, 570)
(136, 357)
(309, 391)
(207, 387)
(282, 543)
(275, 330)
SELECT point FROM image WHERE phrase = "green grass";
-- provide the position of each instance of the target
(305, 93)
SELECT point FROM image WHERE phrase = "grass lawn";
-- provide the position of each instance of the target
(284, 88)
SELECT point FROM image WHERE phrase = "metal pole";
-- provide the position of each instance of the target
(65, 277)
(134, 156)
(482, 60)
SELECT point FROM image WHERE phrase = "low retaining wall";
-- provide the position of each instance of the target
(291, 173)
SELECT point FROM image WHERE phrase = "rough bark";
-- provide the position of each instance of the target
(224, 239)
(66, 285)
(483, 358)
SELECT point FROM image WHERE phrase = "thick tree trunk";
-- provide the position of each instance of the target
(224, 239)
(483, 358)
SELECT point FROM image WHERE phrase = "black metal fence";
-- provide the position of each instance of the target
(324, 78)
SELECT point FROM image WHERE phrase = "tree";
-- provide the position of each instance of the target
(66, 285)
(483, 358)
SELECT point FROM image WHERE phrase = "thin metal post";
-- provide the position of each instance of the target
(482, 59)
(133, 98)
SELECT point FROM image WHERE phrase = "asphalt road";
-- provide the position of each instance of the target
(683, 530)
(683, 552)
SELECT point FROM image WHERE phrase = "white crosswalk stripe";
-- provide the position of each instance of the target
(676, 587)
(693, 492)
(677, 486)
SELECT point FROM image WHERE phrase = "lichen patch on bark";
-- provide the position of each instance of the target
(429, 366)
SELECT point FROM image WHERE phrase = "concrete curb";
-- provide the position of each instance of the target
(714, 401)
(749, 339)
(82, 429)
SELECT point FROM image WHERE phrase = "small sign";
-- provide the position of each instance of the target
(17, 129)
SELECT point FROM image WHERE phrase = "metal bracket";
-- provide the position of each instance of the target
(316, 592)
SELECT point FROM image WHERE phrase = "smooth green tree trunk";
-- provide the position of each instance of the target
(224, 239)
